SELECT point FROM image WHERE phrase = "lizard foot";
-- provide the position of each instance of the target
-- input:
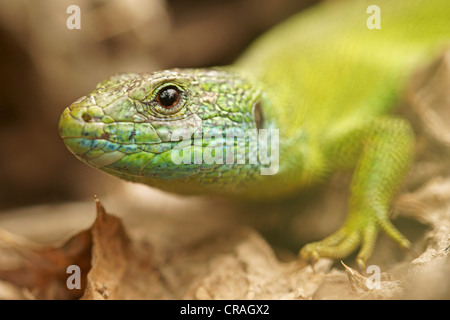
(355, 232)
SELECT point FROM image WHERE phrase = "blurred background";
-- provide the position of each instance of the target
(44, 67)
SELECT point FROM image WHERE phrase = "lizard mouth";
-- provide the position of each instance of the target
(87, 140)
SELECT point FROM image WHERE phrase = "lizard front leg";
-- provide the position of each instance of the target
(380, 152)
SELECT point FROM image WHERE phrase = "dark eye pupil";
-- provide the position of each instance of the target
(168, 97)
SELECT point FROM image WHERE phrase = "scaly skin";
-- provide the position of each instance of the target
(322, 78)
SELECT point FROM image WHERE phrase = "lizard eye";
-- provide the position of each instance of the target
(168, 97)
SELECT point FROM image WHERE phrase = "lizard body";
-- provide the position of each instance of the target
(322, 84)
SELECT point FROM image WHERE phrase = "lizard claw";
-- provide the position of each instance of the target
(343, 242)
(336, 246)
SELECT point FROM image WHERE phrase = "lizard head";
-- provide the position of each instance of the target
(166, 128)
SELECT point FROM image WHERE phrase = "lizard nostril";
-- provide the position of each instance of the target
(86, 117)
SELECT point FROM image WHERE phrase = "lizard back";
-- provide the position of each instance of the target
(325, 69)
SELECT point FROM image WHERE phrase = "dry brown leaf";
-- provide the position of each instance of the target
(43, 270)
(121, 269)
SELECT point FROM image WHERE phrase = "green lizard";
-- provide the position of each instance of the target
(323, 79)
